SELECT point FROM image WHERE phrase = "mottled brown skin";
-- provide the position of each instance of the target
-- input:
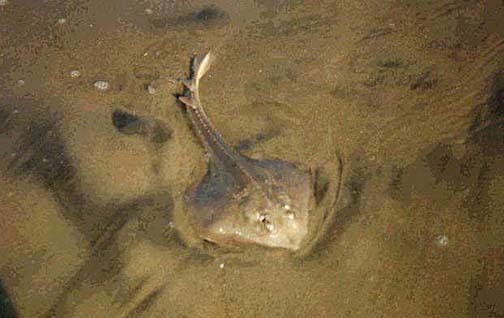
(265, 202)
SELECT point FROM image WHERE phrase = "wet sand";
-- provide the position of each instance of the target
(397, 105)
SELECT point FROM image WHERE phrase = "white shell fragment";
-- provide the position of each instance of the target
(270, 227)
(75, 73)
(442, 240)
(101, 85)
(151, 89)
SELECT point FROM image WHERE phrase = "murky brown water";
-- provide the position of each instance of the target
(397, 107)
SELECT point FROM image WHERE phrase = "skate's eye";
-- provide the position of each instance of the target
(126, 123)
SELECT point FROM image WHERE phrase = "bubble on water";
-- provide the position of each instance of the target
(101, 85)
(442, 240)
(75, 73)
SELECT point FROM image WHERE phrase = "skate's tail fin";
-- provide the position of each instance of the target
(201, 64)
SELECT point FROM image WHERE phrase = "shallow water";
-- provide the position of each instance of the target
(396, 106)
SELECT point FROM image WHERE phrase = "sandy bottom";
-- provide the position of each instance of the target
(397, 106)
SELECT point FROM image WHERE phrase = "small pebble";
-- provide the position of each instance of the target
(148, 11)
(15, 111)
(62, 20)
(101, 85)
(3, 2)
(221, 266)
(151, 89)
(260, 217)
(75, 73)
(20, 82)
(146, 54)
(270, 227)
(442, 240)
